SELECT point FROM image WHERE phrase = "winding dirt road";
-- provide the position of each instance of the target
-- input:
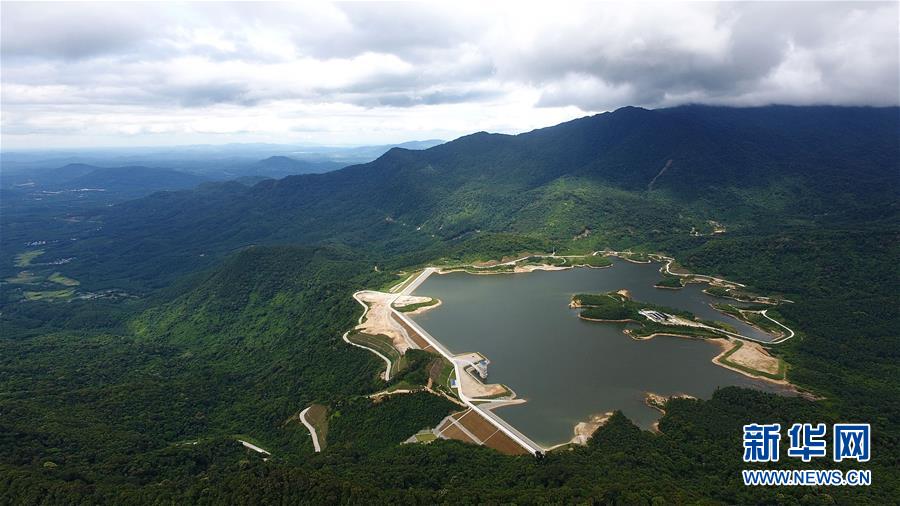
(312, 430)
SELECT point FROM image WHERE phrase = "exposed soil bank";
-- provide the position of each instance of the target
(379, 320)
(750, 357)
(583, 431)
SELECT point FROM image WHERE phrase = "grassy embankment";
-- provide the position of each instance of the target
(394, 286)
(590, 261)
(409, 370)
(317, 416)
(426, 436)
(442, 374)
(471, 269)
(412, 307)
(418, 368)
(381, 344)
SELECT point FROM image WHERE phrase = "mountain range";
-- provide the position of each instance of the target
(630, 177)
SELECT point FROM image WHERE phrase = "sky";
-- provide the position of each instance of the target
(132, 74)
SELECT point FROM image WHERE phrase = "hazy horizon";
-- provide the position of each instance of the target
(352, 145)
(159, 147)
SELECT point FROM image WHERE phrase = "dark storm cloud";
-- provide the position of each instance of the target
(754, 54)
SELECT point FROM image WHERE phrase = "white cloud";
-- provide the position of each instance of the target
(107, 73)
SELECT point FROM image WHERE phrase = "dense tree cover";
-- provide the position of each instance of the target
(102, 401)
(670, 282)
(603, 306)
(111, 418)
(696, 458)
(256, 341)
(415, 368)
(614, 306)
(847, 313)
(358, 425)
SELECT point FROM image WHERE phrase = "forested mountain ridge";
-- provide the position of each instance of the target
(134, 181)
(632, 177)
(281, 166)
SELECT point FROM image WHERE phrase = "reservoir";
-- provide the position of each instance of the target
(569, 369)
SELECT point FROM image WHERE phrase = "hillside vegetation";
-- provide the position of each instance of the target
(758, 171)
(234, 328)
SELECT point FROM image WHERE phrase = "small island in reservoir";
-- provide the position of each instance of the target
(651, 320)
(670, 282)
